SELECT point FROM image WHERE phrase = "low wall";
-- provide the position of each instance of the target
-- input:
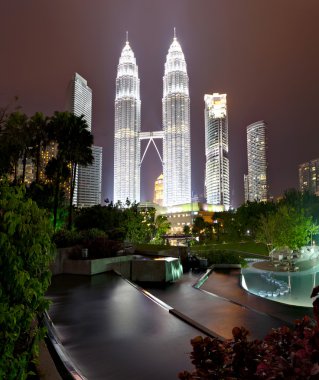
(90, 267)
(129, 266)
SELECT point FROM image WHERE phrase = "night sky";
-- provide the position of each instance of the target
(263, 53)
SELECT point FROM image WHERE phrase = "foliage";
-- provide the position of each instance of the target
(136, 225)
(286, 228)
(223, 257)
(162, 226)
(306, 201)
(104, 218)
(119, 223)
(285, 353)
(67, 238)
(14, 143)
(74, 141)
(225, 223)
(243, 247)
(25, 254)
(248, 216)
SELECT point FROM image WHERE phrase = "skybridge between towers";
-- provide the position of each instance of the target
(151, 136)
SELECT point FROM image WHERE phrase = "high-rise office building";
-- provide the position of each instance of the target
(89, 178)
(176, 127)
(216, 150)
(127, 129)
(257, 162)
(82, 99)
(158, 190)
(309, 176)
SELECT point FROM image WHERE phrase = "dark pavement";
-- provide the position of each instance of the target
(221, 304)
(113, 331)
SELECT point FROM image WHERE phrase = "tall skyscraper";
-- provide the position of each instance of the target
(89, 179)
(82, 99)
(176, 127)
(127, 129)
(309, 176)
(216, 150)
(158, 190)
(257, 162)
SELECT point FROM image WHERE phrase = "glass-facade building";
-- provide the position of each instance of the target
(216, 150)
(257, 186)
(89, 178)
(127, 129)
(309, 176)
(176, 127)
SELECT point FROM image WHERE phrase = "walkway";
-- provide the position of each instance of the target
(221, 304)
(113, 331)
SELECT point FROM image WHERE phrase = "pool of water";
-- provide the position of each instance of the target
(293, 288)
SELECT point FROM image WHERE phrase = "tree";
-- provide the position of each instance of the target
(25, 254)
(248, 216)
(15, 141)
(186, 229)
(198, 226)
(137, 229)
(39, 140)
(74, 146)
(162, 226)
(57, 172)
(286, 228)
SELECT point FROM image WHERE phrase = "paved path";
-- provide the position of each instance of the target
(113, 331)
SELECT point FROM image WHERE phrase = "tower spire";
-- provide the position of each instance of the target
(127, 37)
(174, 33)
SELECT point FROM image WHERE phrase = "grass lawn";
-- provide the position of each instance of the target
(249, 247)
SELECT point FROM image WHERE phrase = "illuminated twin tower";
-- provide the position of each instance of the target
(176, 156)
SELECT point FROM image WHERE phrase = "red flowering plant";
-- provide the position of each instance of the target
(285, 353)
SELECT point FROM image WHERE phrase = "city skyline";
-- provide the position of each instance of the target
(265, 61)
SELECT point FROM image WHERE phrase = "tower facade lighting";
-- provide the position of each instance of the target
(176, 128)
(127, 129)
(216, 150)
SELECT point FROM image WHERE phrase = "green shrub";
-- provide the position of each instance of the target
(223, 257)
(26, 252)
(65, 238)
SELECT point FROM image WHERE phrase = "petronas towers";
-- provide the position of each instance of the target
(175, 133)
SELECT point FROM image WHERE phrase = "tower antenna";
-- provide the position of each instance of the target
(126, 36)
(174, 33)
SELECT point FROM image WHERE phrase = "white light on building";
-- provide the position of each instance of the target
(89, 178)
(257, 186)
(127, 129)
(216, 150)
(176, 127)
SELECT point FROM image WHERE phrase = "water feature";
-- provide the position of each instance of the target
(293, 288)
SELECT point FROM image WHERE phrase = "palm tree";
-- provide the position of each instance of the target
(38, 124)
(57, 172)
(15, 138)
(74, 146)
